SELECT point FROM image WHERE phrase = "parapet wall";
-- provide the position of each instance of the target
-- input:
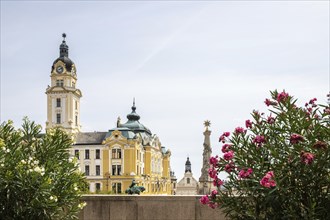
(114, 207)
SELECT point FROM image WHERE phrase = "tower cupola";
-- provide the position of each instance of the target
(188, 166)
(133, 116)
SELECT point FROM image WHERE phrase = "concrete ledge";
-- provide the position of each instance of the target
(128, 207)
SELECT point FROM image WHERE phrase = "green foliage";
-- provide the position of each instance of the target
(38, 178)
(287, 155)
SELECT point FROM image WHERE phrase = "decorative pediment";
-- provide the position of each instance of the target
(115, 137)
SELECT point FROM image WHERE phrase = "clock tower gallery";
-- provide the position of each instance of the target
(63, 98)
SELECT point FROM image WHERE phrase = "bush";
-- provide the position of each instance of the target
(278, 166)
(38, 179)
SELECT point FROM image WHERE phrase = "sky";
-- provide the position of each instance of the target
(184, 62)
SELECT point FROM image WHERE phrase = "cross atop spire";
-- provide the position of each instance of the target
(64, 36)
(64, 49)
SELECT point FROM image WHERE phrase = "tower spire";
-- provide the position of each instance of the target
(64, 48)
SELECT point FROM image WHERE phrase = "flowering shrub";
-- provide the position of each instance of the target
(38, 179)
(279, 168)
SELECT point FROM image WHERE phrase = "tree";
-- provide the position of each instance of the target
(38, 178)
(278, 166)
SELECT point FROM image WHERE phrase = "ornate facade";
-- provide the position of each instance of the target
(113, 158)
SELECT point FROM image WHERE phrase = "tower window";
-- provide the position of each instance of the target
(76, 105)
(58, 102)
(98, 170)
(87, 170)
(58, 118)
(76, 120)
(86, 154)
(188, 180)
(73, 85)
(59, 82)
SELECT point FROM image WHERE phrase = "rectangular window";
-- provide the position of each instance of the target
(87, 170)
(58, 102)
(76, 120)
(76, 105)
(98, 170)
(98, 186)
(116, 188)
(113, 153)
(116, 170)
(59, 82)
(86, 154)
(137, 170)
(73, 85)
(116, 153)
(113, 170)
(97, 154)
(58, 118)
(76, 153)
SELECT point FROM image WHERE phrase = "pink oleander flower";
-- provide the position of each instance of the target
(214, 161)
(282, 96)
(214, 193)
(204, 199)
(296, 138)
(306, 158)
(228, 155)
(267, 181)
(239, 130)
(212, 173)
(213, 205)
(229, 167)
(327, 111)
(270, 120)
(217, 182)
(320, 145)
(269, 102)
(248, 124)
(245, 174)
(312, 101)
(259, 140)
(223, 136)
(225, 148)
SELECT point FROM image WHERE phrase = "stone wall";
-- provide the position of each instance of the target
(129, 207)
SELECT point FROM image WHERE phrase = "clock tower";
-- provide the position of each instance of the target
(63, 98)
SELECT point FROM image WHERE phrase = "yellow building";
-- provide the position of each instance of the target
(110, 159)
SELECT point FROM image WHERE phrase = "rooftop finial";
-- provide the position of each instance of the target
(207, 124)
(133, 107)
(64, 36)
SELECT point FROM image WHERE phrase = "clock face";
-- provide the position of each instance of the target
(59, 69)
